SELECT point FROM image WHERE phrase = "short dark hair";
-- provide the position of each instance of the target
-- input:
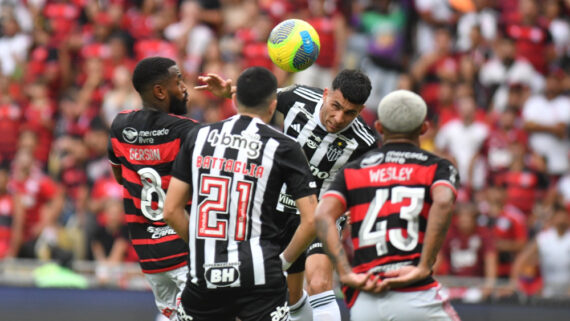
(354, 85)
(255, 86)
(149, 71)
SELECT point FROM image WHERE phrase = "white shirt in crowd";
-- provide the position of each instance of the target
(463, 142)
(546, 112)
(554, 253)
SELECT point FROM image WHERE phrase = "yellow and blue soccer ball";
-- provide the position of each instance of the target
(293, 45)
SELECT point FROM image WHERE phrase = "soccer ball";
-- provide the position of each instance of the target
(293, 45)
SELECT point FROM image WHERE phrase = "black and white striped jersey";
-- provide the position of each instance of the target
(326, 152)
(235, 168)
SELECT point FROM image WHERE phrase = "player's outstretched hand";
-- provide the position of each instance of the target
(403, 277)
(216, 85)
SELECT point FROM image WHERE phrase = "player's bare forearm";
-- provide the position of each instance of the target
(173, 212)
(118, 174)
(328, 211)
(305, 233)
(437, 225)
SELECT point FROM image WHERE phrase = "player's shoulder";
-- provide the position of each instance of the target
(306, 96)
(362, 132)
(123, 118)
(301, 90)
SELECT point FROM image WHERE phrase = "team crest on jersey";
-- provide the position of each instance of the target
(221, 274)
(130, 135)
(334, 151)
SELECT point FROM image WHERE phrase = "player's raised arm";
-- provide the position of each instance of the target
(304, 234)
(216, 85)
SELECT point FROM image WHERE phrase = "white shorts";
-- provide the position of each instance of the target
(167, 289)
(403, 306)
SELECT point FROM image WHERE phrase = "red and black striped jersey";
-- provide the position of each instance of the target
(235, 169)
(145, 143)
(388, 194)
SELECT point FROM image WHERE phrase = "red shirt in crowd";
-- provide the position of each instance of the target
(35, 191)
(6, 213)
(465, 254)
(531, 43)
(523, 187)
(10, 118)
(510, 225)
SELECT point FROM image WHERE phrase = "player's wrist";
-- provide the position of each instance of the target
(285, 264)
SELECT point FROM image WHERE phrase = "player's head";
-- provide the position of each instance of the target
(401, 114)
(256, 92)
(159, 83)
(341, 105)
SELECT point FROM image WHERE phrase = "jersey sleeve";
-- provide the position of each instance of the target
(182, 168)
(285, 99)
(446, 174)
(298, 177)
(337, 188)
(113, 159)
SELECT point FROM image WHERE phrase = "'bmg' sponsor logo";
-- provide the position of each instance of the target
(221, 274)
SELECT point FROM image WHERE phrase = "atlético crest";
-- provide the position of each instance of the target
(334, 151)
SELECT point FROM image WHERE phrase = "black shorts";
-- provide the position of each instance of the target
(291, 225)
(317, 246)
(259, 304)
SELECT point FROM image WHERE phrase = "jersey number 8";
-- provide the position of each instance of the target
(152, 185)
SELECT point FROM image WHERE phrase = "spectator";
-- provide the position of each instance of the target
(329, 23)
(432, 14)
(551, 251)
(432, 68)
(461, 139)
(10, 121)
(39, 118)
(110, 243)
(508, 226)
(546, 119)
(14, 46)
(42, 200)
(386, 24)
(8, 206)
(496, 148)
(469, 250)
(121, 97)
(504, 70)
(532, 41)
(482, 17)
(524, 185)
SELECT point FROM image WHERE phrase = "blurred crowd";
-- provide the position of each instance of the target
(495, 76)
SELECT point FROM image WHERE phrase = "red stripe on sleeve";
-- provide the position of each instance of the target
(336, 195)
